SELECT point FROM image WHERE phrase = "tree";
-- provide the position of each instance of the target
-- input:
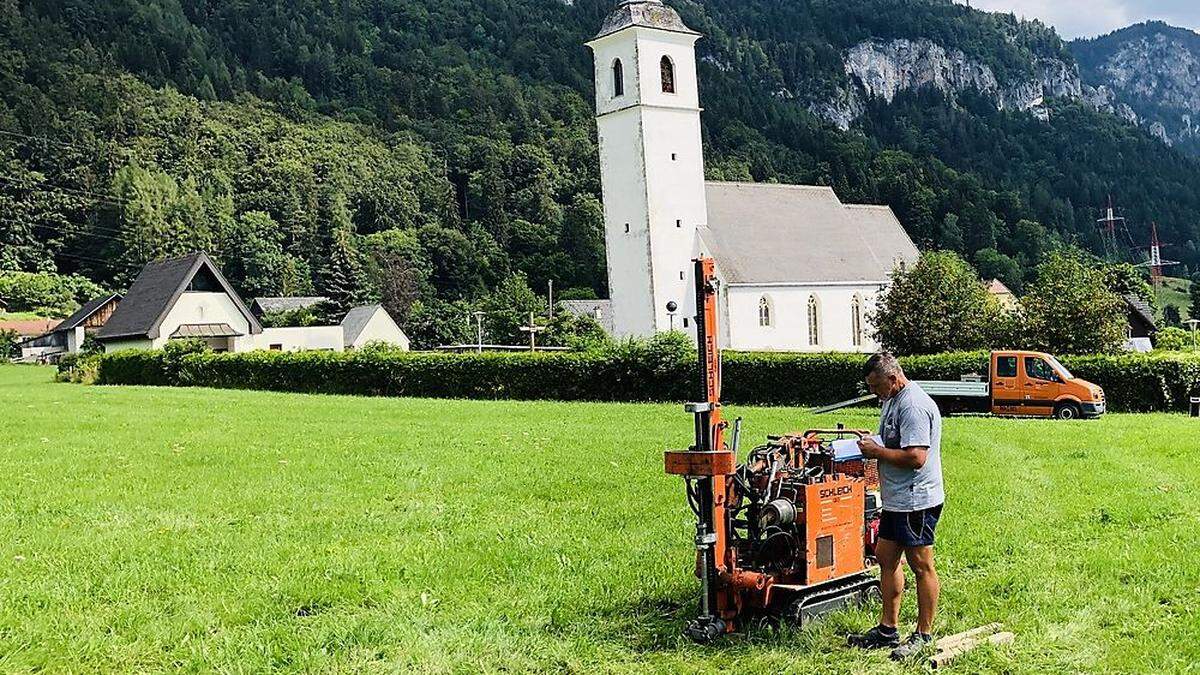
(993, 264)
(398, 270)
(1171, 316)
(511, 307)
(433, 323)
(1069, 309)
(939, 305)
(576, 332)
(343, 280)
(252, 257)
(1194, 296)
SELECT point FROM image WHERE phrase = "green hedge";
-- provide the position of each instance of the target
(1135, 382)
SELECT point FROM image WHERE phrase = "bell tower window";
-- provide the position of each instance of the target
(618, 76)
(667, 66)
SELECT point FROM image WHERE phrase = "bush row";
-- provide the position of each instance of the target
(1135, 382)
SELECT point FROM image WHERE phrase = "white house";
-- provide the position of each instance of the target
(188, 297)
(371, 323)
(798, 269)
(68, 336)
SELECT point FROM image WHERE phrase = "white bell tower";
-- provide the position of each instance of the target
(651, 164)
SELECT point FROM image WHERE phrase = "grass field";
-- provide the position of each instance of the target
(1175, 292)
(154, 529)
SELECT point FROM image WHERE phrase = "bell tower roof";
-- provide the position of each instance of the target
(646, 13)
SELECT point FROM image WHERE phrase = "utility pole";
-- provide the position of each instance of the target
(479, 331)
(533, 329)
(1108, 230)
(552, 300)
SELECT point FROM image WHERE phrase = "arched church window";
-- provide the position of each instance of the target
(668, 75)
(814, 322)
(618, 75)
(764, 311)
(856, 327)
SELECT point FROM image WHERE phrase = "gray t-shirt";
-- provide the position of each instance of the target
(911, 419)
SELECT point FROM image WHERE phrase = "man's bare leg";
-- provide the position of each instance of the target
(920, 559)
(891, 581)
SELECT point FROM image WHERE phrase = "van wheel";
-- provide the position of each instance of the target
(1067, 411)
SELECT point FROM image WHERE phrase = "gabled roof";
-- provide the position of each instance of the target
(157, 289)
(84, 313)
(1141, 309)
(590, 308)
(29, 328)
(765, 233)
(356, 321)
(262, 306)
(997, 287)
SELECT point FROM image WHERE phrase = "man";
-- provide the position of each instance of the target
(910, 471)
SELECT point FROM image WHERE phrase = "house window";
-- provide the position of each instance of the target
(814, 322)
(668, 75)
(764, 311)
(856, 329)
(618, 76)
(678, 223)
(276, 347)
(681, 275)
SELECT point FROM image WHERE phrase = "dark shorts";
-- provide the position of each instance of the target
(912, 528)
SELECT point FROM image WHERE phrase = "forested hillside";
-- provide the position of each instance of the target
(429, 149)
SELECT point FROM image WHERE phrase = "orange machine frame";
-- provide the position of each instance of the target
(832, 506)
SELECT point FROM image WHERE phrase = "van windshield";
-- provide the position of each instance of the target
(1062, 370)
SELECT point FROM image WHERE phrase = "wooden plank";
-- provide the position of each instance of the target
(951, 640)
(944, 657)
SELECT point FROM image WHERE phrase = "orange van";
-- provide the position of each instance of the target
(1023, 383)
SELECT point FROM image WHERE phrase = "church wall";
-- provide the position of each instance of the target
(788, 331)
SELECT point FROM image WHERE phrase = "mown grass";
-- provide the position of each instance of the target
(153, 529)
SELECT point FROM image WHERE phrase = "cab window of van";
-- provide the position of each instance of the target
(1061, 369)
(1006, 366)
(1039, 370)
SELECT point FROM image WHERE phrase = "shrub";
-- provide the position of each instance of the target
(629, 371)
(1173, 339)
(8, 344)
(46, 292)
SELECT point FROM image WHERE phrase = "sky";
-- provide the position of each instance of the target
(1088, 18)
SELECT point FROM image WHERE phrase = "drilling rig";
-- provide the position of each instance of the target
(790, 532)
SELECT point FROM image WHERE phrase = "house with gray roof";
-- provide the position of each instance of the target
(371, 323)
(275, 305)
(67, 337)
(188, 297)
(599, 311)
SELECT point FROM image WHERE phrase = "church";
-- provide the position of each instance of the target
(798, 269)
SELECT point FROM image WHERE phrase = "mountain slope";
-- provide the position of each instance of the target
(1155, 69)
(481, 112)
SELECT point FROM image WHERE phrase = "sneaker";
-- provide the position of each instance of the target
(874, 639)
(915, 645)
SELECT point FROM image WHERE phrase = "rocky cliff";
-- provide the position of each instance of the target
(1154, 69)
(883, 69)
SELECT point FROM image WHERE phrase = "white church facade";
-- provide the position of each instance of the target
(798, 269)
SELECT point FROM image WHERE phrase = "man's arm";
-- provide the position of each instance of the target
(912, 457)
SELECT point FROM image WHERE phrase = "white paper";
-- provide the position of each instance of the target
(847, 448)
